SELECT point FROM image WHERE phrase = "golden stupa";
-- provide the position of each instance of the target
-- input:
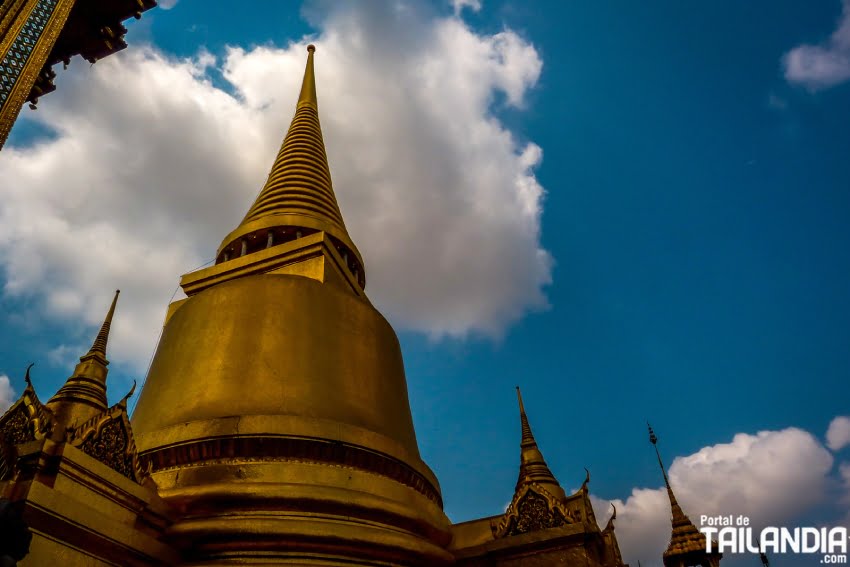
(274, 425)
(276, 405)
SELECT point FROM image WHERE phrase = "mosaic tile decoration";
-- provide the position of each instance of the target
(13, 62)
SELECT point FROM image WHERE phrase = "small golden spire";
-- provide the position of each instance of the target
(527, 437)
(84, 394)
(685, 537)
(98, 348)
(533, 467)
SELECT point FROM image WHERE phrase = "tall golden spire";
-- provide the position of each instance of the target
(84, 394)
(533, 467)
(298, 198)
(685, 538)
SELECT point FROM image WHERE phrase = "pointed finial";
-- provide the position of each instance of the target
(27, 375)
(308, 85)
(129, 394)
(527, 437)
(586, 479)
(610, 525)
(652, 438)
(99, 345)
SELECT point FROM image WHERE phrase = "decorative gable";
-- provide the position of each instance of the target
(27, 420)
(108, 437)
(533, 508)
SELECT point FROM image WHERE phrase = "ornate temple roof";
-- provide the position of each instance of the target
(539, 502)
(77, 414)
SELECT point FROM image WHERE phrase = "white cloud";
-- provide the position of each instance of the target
(7, 393)
(838, 434)
(167, 4)
(756, 475)
(822, 66)
(459, 5)
(153, 165)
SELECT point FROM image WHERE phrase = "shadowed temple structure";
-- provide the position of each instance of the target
(274, 425)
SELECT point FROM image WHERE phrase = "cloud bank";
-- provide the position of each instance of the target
(153, 163)
(822, 66)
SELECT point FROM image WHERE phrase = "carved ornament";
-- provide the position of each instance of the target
(533, 508)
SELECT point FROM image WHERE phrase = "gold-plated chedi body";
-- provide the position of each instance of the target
(275, 413)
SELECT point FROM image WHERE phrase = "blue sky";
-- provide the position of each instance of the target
(697, 188)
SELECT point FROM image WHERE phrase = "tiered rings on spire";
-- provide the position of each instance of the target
(298, 198)
(300, 180)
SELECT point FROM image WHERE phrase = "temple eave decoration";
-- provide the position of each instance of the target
(94, 30)
(532, 508)
(36, 35)
(108, 437)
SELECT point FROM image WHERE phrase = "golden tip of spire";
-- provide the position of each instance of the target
(99, 345)
(308, 85)
(519, 397)
(112, 307)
